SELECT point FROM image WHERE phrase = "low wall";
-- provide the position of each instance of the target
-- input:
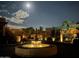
(36, 52)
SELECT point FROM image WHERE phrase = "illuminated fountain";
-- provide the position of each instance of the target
(36, 43)
(36, 49)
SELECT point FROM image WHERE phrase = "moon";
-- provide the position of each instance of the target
(28, 5)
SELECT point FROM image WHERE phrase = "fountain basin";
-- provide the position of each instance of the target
(35, 49)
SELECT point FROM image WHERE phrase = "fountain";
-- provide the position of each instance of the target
(35, 44)
(36, 49)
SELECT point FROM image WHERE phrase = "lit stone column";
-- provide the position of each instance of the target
(18, 38)
(61, 36)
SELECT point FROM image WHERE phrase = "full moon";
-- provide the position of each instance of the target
(28, 5)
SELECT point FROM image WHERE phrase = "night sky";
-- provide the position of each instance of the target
(46, 14)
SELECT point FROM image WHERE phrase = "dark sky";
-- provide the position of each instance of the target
(46, 14)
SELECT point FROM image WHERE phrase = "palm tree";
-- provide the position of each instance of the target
(66, 24)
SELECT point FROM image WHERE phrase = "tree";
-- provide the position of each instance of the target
(41, 28)
(29, 30)
(65, 24)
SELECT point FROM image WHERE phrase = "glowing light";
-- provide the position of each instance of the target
(24, 36)
(53, 39)
(45, 39)
(61, 37)
(28, 5)
(66, 39)
(35, 44)
(18, 38)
